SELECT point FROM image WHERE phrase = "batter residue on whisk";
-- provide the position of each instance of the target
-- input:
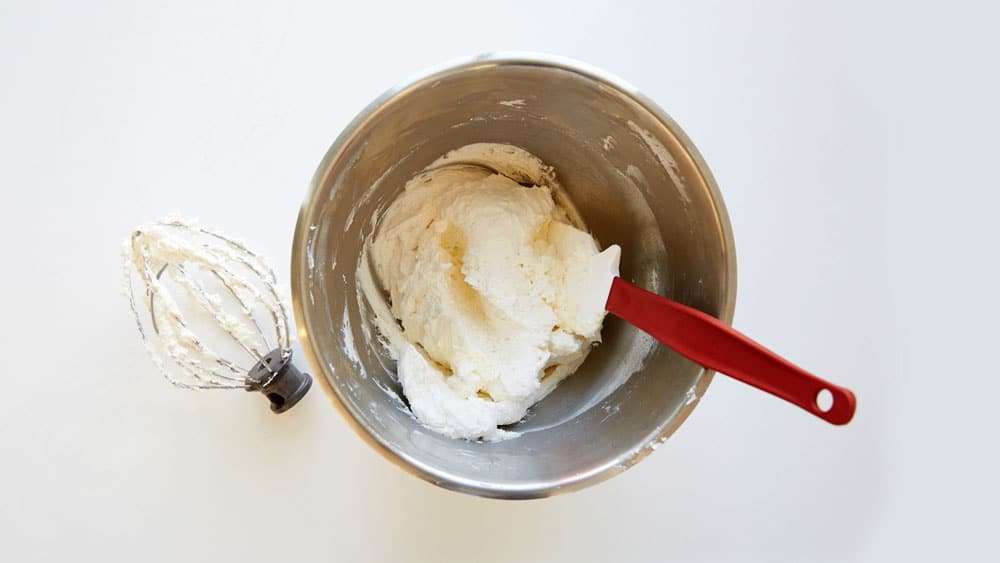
(496, 292)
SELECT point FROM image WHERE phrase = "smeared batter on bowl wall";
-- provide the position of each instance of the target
(495, 290)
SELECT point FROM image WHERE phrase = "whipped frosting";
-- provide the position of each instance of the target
(495, 291)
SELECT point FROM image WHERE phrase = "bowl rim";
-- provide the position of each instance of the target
(536, 489)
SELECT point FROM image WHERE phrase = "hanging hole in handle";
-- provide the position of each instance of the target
(824, 400)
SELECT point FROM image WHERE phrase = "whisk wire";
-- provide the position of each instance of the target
(247, 312)
(239, 253)
(180, 333)
(227, 321)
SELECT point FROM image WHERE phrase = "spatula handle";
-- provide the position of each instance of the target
(708, 341)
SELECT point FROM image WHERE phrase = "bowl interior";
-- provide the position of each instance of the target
(635, 180)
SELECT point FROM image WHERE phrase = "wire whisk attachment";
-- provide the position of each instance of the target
(209, 311)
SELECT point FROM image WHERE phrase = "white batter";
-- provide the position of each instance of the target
(499, 295)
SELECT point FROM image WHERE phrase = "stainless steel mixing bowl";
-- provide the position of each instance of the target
(637, 181)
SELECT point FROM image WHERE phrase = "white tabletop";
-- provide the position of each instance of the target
(852, 144)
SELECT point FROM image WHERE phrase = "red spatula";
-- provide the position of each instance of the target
(715, 345)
